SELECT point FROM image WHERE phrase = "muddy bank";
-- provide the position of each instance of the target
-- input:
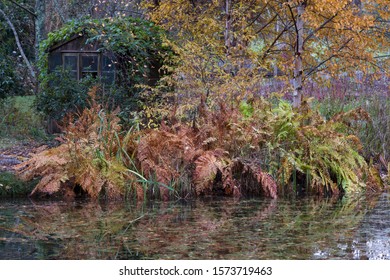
(10, 184)
(11, 156)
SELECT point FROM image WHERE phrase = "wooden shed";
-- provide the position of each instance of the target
(82, 59)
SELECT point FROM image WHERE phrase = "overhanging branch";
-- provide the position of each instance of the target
(274, 42)
(24, 8)
(313, 70)
(32, 73)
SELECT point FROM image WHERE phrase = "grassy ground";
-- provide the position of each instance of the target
(20, 121)
(6, 143)
(21, 130)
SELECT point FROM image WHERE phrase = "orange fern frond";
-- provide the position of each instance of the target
(253, 180)
(161, 153)
(207, 166)
(49, 184)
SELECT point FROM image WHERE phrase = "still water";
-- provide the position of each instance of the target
(347, 228)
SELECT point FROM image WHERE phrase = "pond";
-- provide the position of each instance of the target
(210, 228)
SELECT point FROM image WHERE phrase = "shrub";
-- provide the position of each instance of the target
(64, 95)
(12, 186)
(260, 148)
(10, 83)
(318, 155)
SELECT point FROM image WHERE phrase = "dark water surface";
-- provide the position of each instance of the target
(347, 228)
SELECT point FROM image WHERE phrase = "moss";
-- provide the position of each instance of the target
(12, 186)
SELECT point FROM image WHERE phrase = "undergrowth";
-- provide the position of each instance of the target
(250, 148)
(12, 186)
(19, 119)
(92, 158)
(260, 148)
(374, 134)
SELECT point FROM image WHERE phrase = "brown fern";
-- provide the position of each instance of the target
(161, 153)
(207, 167)
(252, 180)
(87, 157)
(50, 165)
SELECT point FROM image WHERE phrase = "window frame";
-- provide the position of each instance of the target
(100, 72)
(67, 54)
(82, 67)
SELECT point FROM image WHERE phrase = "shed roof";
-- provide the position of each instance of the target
(59, 45)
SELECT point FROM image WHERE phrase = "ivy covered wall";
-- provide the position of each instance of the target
(137, 48)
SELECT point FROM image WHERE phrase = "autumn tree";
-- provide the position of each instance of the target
(301, 39)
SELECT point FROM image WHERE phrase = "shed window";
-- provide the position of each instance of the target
(71, 64)
(55, 61)
(89, 64)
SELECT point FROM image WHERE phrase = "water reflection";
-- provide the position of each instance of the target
(374, 233)
(357, 228)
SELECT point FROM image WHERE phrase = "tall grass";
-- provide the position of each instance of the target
(375, 134)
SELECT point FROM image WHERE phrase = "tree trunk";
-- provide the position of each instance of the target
(298, 67)
(275, 64)
(28, 64)
(59, 11)
(228, 39)
(40, 31)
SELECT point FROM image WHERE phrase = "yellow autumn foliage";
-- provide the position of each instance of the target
(229, 48)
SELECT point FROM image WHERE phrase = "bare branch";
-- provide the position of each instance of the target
(312, 33)
(293, 18)
(131, 12)
(278, 15)
(256, 17)
(59, 12)
(268, 23)
(382, 56)
(30, 68)
(274, 42)
(295, 26)
(313, 70)
(24, 8)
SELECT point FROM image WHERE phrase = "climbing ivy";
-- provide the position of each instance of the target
(138, 46)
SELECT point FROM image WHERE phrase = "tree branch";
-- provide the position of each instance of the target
(293, 18)
(268, 23)
(131, 12)
(256, 17)
(319, 28)
(24, 8)
(382, 56)
(274, 42)
(32, 73)
(296, 28)
(278, 15)
(328, 59)
(323, 24)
